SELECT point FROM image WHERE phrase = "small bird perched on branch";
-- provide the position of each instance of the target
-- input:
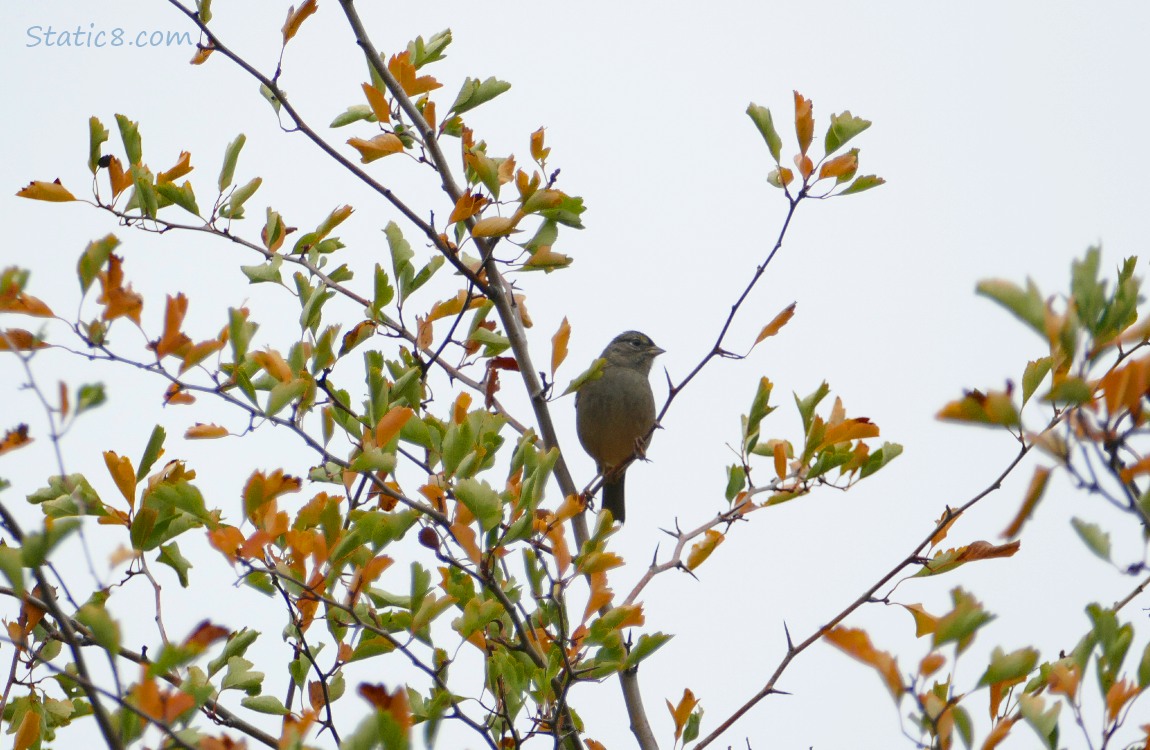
(614, 414)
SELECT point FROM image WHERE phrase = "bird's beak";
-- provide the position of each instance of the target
(656, 351)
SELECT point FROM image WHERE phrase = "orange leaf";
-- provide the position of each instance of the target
(395, 704)
(295, 18)
(226, 539)
(804, 123)
(173, 341)
(404, 71)
(118, 301)
(998, 733)
(1029, 501)
(46, 191)
(17, 437)
(19, 340)
(950, 517)
(15, 301)
(124, 476)
(467, 206)
(931, 663)
(856, 643)
(205, 635)
(182, 166)
(805, 165)
(840, 165)
(847, 430)
(119, 179)
(391, 423)
(780, 320)
(202, 54)
(197, 353)
(378, 147)
(460, 407)
(780, 455)
(176, 395)
(201, 431)
(378, 103)
(601, 594)
(1119, 694)
(559, 345)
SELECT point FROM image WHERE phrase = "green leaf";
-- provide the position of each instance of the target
(97, 136)
(473, 93)
(1008, 667)
(271, 98)
(231, 156)
(401, 255)
(807, 405)
(265, 704)
(482, 500)
(866, 182)
(204, 10)
(240, 676)
(961, 623)
(237, 645)
(11, 565)
(354, 113)
(265, 272)
(130, 134)
(1088, 293)
(761, 116)
(1028, 306)
(93, 259)
(880, 458)
(170, 556)
(89, 396)
(283, 394)
(1035, 372)
(736, 481)
(152, 451)
(1044, 723)
(144, 196)
(182, 196)
(843, 127)
(105, 630)
(647, 644)
(234, 207)
(422, 52)
(1096, 540)
(384, 291)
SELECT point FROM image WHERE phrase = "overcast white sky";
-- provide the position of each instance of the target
(1010, 137)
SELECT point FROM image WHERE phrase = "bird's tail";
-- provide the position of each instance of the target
(613, 498)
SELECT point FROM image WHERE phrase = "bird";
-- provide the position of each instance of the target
(615, 413)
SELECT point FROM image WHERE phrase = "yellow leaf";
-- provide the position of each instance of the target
(295, 18)
(780, 320)
(201, 431)
(378, 147)
(924, 622)
(117, 177)
(46, 191)
(273, 363)
(378, 103)
(201, 55)
(779, 452)
(124, 476)
(559, 345)
(703, 548)
(538, 152)
(847, 430)
(495, 226)
(182, 166)
(682, 712)
(547, 260)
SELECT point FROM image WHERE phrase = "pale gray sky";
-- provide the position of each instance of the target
(1009, 135)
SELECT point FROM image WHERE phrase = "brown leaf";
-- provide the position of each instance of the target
(173, 341)
(467, 206)
(205, 635)
(182, 166)
(856, 643)
(391, 423)
(202, 54)
(19, 340)
(1029, 502)
(118, 301)
(117, 177)
(15, 301)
